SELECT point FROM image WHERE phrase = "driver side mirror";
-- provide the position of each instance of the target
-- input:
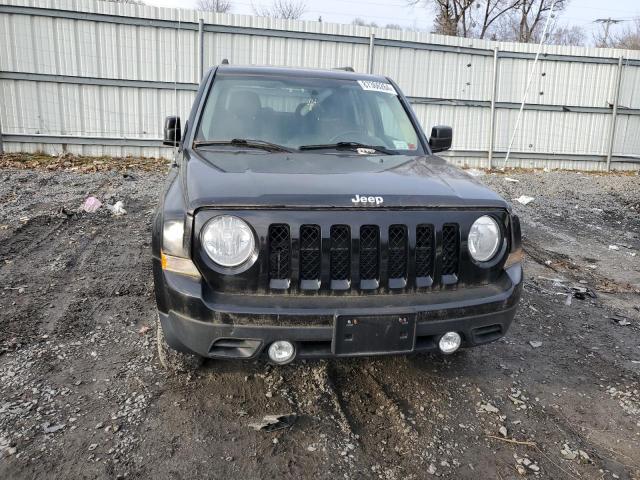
(172, 131)
(440, 139)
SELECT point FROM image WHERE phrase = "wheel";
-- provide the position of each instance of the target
(172, 360)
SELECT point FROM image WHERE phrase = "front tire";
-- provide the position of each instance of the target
(172, 360)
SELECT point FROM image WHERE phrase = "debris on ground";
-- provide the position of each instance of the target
(487, 407)
(271, 423)
(581, 293)
(6, 447)
(524, 199)
(53, 428)
(512, 180)
(91, 205)
(614, 247)
(535, 343)
(117, 208)
(523, 464)
(569, 454)
(620, 320)
(144, 329)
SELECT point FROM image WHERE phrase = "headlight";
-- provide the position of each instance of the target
(228, 240)
(484, 239)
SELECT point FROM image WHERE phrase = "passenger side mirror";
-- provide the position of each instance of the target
(440, 139)
(172, 131)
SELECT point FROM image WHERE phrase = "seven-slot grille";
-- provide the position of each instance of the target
(332, 259)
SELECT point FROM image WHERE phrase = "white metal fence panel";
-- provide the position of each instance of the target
(98, 78)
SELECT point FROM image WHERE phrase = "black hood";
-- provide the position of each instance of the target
(320, 180)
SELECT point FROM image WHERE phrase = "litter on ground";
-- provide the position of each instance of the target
(524, 199)
(91, 205)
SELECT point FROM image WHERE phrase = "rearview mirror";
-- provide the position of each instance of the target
(440, 139)
(172, 131)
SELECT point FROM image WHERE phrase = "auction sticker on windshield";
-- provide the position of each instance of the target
(377, 86)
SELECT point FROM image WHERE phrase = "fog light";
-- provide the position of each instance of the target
(281, 352)
(449, 342)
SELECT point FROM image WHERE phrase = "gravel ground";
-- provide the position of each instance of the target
(82, 394)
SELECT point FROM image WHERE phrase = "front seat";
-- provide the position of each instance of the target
(242, 116)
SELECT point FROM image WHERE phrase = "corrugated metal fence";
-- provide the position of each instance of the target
(98, 78)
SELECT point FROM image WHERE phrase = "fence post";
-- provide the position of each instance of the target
(1, 143)
(200, 49)
(614, 116)
(492, 122)
(372, 44)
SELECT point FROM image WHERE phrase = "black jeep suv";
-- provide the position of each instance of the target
(306, 216)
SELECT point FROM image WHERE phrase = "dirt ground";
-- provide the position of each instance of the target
(82, 394)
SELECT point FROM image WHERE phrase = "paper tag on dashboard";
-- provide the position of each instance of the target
(377, 86)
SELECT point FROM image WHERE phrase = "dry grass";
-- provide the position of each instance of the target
(81, 164)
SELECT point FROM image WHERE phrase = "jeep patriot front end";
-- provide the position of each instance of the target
(306, 216)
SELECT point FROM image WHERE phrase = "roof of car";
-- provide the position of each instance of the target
(338, 73)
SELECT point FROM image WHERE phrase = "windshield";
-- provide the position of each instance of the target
(307, 112)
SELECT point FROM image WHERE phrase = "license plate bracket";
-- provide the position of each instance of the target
(362, 335)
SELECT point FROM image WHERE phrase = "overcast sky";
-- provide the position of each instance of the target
(578, 12)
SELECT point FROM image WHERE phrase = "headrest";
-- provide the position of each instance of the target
(244, 103)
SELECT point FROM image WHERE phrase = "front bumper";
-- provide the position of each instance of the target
(214, 325)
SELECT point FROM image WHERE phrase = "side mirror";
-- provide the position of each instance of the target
(440, 139)
(172, 131)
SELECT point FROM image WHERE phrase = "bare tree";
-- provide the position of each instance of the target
(629, 38)
(467, 18)
(287, 9)
(453, 17)
(492, 10)
(517, 20)
(532, 15)
(525, 24)
(216, 6)
(568, 35)
(361, 22)
(602, 37)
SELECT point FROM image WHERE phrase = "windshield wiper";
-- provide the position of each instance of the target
(244, 142)
(348, 146)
